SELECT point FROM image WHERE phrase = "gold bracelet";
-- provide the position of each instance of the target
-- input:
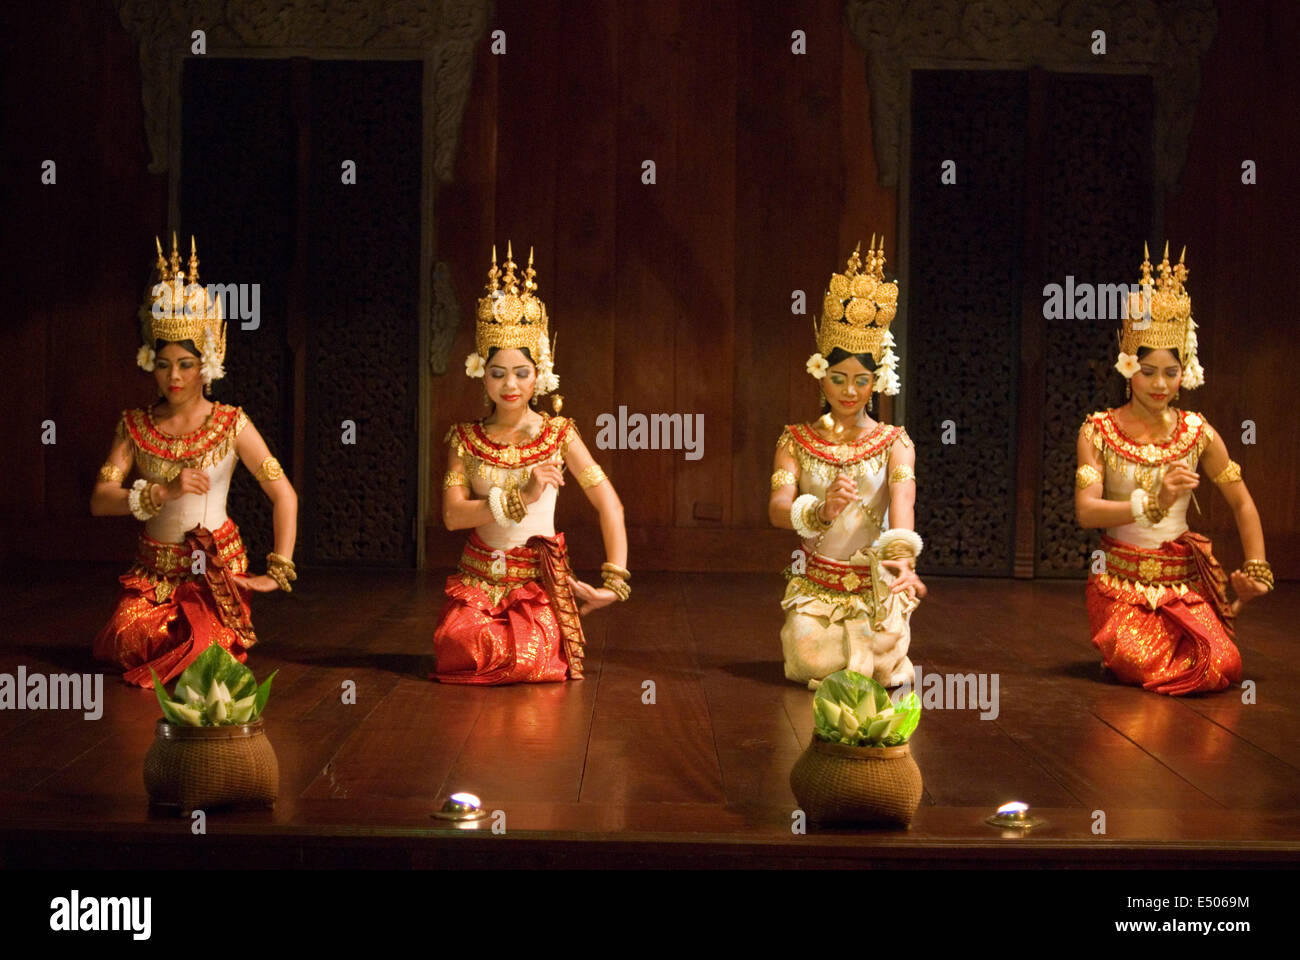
(269, 470)
(591, 476)
(513, 503)
(1259, 570)
(454, 479)
(812, 517)
(613, 568)
(111, 473)
(901, 473)
(620, 586)
(1086, 476)
(281, 569)
(1229, 474)
(783, 478)
(1154, 512)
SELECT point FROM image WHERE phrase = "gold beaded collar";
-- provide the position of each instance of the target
(470, 438)
(840, 453)
(1190, 433)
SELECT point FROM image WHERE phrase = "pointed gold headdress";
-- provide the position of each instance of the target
(856, 313)
(178, 309)
(513, 317)
(1160, 317)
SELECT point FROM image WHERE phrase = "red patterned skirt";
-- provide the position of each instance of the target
(166, 615)
(510, 616)
(1161, 617)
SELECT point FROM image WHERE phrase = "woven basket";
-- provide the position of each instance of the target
(197, 768)
(836, 783)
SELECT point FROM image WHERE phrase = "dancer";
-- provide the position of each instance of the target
(512, 613)
(1159, 610)
(845, 483)
(184, 591)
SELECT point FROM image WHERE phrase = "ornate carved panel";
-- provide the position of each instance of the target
(363, 344)
(1097, 194)
(963, 309)
(1163, 40)
(240, 205)
(445, 31)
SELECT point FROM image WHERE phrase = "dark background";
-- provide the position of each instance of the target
(667, 298)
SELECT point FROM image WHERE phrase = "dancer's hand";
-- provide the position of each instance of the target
(842, 491)
(543, 474)
(593, 597)
(907, 578)
(1248, 588)
(188, 480)
(262, 584)
(1177, 479)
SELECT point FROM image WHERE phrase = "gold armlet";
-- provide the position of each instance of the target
(783, 478)
(454, 479)
(269, 470)
(1086, 476)
(111, 473)
(901, 473)
(1229, 474)
(591, 476)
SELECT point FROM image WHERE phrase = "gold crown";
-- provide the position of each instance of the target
(511, 316)
(178, 308)
(1170, 305)
(859, 306)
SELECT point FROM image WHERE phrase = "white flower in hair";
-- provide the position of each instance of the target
(211, 368)
(889, 361)
(1127, 365)
(547, 382)
(144, 358)
(888, 383)
(817, 365)
(475, 366)
(1193, 375)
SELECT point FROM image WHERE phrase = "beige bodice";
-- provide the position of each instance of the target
(1130, 465)
(489, 463)
(159, 457)
(866, 461)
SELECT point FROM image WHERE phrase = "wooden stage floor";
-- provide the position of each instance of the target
(587, 774)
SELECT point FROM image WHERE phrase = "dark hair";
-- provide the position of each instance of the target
(839, 355)
(1143, 351)
(524, 350)
(183, 344)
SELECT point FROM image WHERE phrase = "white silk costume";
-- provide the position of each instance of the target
(839, 611)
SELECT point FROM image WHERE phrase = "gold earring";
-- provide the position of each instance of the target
(487, 400)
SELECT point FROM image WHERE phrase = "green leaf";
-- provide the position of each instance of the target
(263, 694)
(168, 708)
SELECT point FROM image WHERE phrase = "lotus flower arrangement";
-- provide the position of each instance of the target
(853, 709)
(210, 747)
(858, 769)
(215, 689)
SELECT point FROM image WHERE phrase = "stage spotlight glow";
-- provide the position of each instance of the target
(461, 806)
